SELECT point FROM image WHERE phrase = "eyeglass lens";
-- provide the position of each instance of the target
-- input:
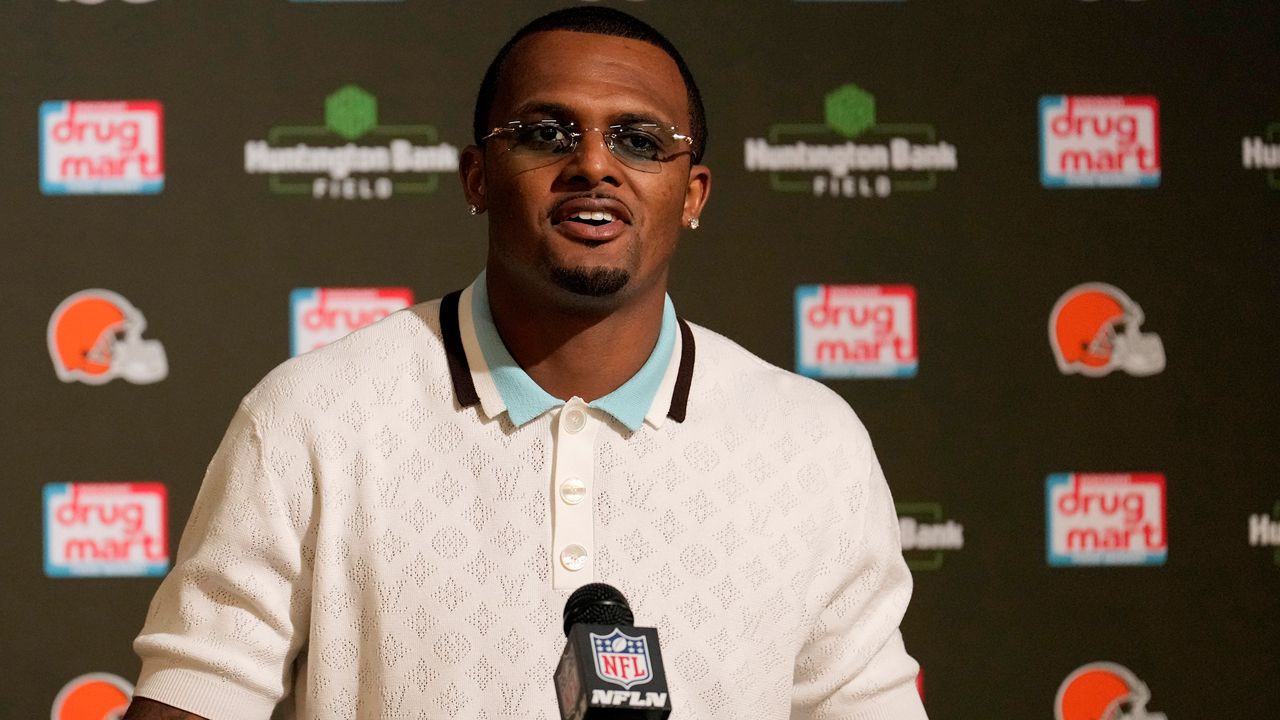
(640, 146)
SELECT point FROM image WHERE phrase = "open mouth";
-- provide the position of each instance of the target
(591, 220)
(594, 219)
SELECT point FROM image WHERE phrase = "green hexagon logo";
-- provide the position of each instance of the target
(351, 112)
(850, 110)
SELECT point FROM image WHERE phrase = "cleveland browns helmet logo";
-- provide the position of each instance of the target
(95, 336)
(95, 696)
(1103, 691)
(1094, 329)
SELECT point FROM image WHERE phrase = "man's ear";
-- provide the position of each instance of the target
(697, 192)
(471, 172)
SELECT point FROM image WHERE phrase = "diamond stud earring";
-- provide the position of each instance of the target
(693, 223)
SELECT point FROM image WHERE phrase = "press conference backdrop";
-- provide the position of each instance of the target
(1033, 244)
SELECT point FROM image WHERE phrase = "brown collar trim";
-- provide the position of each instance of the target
(464, 388)
(684, 376)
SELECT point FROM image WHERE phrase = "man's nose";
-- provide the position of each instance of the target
(591, 160)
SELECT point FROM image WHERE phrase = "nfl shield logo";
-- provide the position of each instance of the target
(621, 659)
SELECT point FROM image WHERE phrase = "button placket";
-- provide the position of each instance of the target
(572, 534)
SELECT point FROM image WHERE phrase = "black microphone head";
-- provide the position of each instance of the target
(597, 604)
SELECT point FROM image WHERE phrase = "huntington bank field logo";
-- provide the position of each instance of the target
(850, 154)
(927, 534)
(1262, 152)
(1106, 519)
(856, 331)
(106, 529)
(1099, 141)
(101, 148)
(93, 696)
(352, 156)
(1264, 531)
(1103, 691)
(318, 316)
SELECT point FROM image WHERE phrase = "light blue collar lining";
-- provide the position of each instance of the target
(526, 400)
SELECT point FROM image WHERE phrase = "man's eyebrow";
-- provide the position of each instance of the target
(563, 112)
(628, 118)
(549, 109)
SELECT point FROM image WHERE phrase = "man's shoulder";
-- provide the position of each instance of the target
(734, 375)
(404, 346)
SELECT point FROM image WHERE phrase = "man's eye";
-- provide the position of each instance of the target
(546, 138)
(639, 144)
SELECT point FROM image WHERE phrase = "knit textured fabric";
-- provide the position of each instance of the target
(364, 547)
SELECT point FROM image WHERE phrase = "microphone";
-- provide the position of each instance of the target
(609, 670)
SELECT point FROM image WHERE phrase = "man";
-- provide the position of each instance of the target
(393, 523)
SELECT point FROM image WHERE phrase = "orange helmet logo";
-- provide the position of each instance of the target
(96, 696)
(1094, 329)
(1103, 691)
(95, 336)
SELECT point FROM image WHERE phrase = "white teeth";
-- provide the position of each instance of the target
(586, 215)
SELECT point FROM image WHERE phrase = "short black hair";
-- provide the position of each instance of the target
(599, 21)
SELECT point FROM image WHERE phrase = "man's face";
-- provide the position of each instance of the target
(546, 235)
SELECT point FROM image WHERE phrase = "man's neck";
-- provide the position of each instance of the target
(568, 351)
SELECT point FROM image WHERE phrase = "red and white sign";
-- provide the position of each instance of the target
(90, 147)
(321, 315)
(106, 529)
(856, 331)
(1099, 141)
(1106, 519)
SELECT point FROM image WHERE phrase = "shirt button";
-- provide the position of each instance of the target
(574, 421)
(573, 558)
(572, 491)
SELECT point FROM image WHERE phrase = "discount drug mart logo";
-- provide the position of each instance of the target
(106, 529)
(93, 696)
(1105, 519)
(1099, 141)
(1103, 691)
(319, 316)
(101, 148)
(851, 154)
(856, 331)
(352, 156)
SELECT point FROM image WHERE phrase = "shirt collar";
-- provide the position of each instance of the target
(484, 372)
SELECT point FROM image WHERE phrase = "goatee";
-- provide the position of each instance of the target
(592, 282)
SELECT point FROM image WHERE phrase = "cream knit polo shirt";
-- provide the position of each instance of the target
(376, 539)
